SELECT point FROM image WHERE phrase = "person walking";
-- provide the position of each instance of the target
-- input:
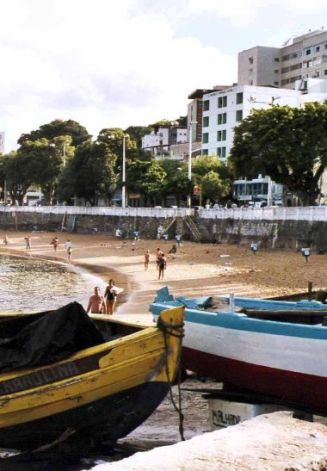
(69, 249)
(146, 259)
(96, 302)
(162, 266)
(110, 296)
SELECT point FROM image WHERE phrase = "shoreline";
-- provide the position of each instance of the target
(196, 269)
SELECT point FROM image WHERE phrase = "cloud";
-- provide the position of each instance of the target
(98, 62)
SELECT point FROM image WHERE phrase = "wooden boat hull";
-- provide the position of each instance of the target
(103, 392)
(285, 361)
(106, 419)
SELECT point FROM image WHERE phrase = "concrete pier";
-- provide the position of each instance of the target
(273, 442)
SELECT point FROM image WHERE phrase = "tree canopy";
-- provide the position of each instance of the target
(58, 128)
(213, 177)
(288, 144)
(90, 174)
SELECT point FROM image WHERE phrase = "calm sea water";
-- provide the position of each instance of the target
(31, 284)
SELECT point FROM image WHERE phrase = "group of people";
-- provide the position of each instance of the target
(103, 304)
(161, 262)
(68, 247)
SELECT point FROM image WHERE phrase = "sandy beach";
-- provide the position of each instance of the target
(196, 269)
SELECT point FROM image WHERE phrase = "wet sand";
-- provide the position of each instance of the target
(196, 269)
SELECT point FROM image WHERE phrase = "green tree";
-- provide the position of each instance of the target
(147, 179)
(137, 132)
(213, 177)
(91, 173)
(18, 171)
(57, 128)
(288, 144)
(46, 159)
(176, 182)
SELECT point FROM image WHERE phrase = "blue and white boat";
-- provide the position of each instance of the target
(285, 360)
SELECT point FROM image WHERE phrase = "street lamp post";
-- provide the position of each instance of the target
(189, 172)
(123, 190)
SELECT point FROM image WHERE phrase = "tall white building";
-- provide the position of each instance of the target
(2, 142)
(224, 109)
(301, 57)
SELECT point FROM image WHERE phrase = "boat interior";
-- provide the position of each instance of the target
(307, 316)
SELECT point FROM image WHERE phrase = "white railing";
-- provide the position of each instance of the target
(307, 213)
(310, 213)
(101, 211)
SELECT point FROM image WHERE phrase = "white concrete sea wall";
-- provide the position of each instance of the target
(273, 442)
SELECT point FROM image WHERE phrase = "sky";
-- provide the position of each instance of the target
(116, 63)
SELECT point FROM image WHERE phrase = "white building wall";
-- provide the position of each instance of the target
(181, 136)
(253, 98)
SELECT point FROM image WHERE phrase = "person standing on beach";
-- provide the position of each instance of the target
(69, 249)
(110, 296)
(55, 243)
(159, 253)
(5, 239)
(96, 302)
(146, 259)
(162, 266)
(28, 243)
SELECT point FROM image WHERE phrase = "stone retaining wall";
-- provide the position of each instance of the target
(283, 234)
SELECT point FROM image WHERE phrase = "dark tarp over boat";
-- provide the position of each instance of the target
(47, 337)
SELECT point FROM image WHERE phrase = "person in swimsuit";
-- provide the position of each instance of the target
(96, 302)
(162, 264)
(146, 259)
(110, 296)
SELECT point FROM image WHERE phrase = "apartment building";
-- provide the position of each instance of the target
(224, 109)
(300, 58)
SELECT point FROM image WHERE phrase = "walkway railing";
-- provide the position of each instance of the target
(102, 211)
(308, 213)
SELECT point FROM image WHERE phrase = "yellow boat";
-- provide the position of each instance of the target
(102, 392)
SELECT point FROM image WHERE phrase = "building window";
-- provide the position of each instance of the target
(276, 83)
(239, 98)
(205, 138)
(221, 152)
(204, 152)
(239, 115)
(221, 135)
(206, 105)
(250, 60)
(317, 48)
(307, 52)
(205, 121)
(276, 71)
(222, 101)
(325, 72)
(222, 118)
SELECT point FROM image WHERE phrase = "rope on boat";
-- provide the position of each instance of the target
(168, 329)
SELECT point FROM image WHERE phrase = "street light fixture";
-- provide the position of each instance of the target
(189, 173)
(123, 190)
